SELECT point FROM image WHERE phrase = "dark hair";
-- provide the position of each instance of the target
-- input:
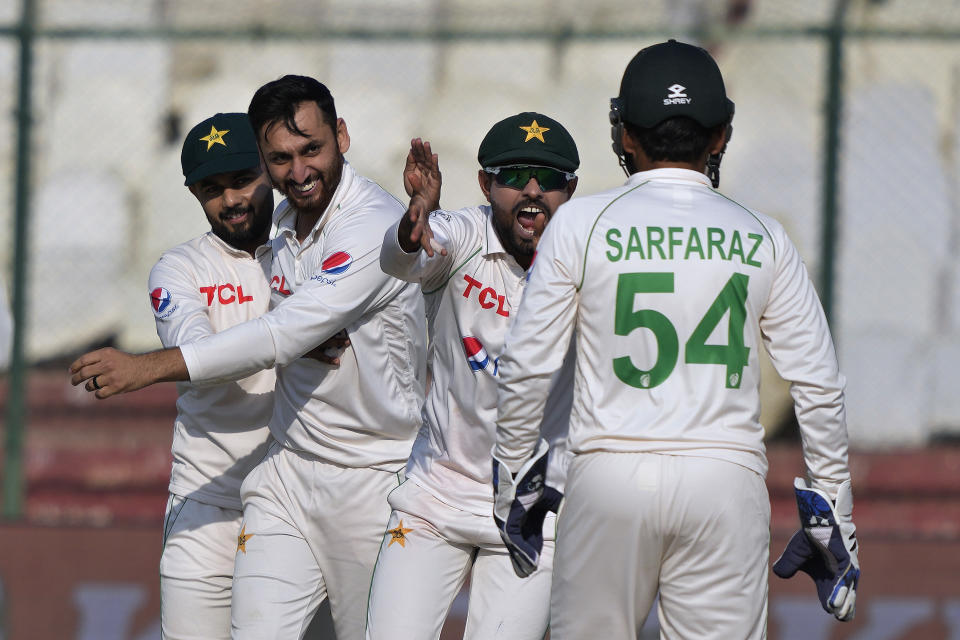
(677, 139)
(276, 102)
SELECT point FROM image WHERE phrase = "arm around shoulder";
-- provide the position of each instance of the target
(108, 372)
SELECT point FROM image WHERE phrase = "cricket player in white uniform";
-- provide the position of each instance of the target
(440, 529)
(315, 508)
(198, 288)
(672, 288)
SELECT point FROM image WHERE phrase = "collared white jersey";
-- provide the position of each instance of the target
(364, 412)
(197, 289)
(471, 295)
(672, 287)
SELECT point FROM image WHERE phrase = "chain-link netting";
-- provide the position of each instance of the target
(116, 86)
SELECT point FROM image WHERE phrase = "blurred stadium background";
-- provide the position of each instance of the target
(846, 131)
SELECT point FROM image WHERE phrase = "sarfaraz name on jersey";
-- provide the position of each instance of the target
(648, 243)
(162, 301)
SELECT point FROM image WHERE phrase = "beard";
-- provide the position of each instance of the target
(316, 204)
(515, 245)
(252, 232)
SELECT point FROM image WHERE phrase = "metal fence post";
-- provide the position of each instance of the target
(16, 400)
(833, 113)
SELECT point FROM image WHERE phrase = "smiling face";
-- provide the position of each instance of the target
(515, 211)
(305, 168)
(238, 206)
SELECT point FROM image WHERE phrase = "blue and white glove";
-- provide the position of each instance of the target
(825, 548)
(520, 504)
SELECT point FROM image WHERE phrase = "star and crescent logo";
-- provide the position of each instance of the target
(398, 534)
(535, 131)
(216, 137)
(242, 539)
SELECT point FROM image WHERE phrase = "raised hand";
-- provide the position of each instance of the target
(422, 180)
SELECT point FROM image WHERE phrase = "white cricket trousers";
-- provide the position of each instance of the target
(696, 529)
(426, 554)
(310, 530)
(196, 569)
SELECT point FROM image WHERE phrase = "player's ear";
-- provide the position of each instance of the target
(572, 186)
(343, 136)
(485, 180)
(629, 144)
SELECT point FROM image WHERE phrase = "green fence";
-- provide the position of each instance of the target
(846, 131)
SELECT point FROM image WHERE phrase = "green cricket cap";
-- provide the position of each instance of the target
(673, 79)
(529, 138)
(223, 143)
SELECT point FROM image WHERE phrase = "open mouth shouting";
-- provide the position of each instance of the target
(526, 220)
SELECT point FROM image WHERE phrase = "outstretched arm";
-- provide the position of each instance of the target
(422, 180)
(108, 371)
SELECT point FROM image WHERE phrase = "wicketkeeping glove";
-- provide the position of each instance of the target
(520, 504)
(825, 548)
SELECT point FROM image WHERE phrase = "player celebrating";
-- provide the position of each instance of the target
(197, 288)
(472, 269)
(315, 507)
(672, 286)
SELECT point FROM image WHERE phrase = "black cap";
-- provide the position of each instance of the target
(223, 143)
(673, 79)
(529, 138)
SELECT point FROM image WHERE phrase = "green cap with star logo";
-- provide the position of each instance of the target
(529, 138)
(223, 143)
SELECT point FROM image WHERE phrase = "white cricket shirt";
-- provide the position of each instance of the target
(197, 289)
(364, 412)
(672, 287)
(471, 295)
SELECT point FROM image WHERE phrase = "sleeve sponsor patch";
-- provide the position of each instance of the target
(163, 304)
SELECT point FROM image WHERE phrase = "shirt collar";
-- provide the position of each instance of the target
(232, 250)
(492, 245)
(492, 242)
(672, 174)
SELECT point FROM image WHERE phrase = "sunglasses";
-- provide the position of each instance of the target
(517, 177)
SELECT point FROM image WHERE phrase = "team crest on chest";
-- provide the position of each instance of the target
(242, 539)
(399, 535)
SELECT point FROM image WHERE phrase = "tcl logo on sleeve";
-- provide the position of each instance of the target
(225, 294)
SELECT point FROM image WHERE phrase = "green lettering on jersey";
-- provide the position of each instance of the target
(674, 240)
(693, 245)
(736, 247)
(613, 237)
(735, 355)
(634, 245)
(715, 238)
(655, 242)
(757, 239)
